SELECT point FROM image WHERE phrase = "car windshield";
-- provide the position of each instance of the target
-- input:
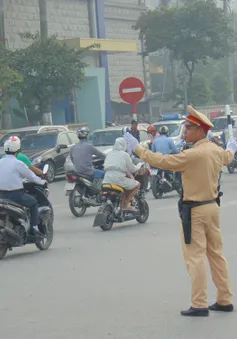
(104, 138)
(5, 137)
(174, 129)
(219, 124)
(8, 135)
(32, 142)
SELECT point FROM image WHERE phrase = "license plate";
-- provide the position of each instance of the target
(154, 171)
(69, 186)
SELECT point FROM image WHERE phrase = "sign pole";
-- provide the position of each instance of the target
(134, 111)
(229, 122)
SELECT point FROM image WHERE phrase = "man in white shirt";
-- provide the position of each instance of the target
(12, 172)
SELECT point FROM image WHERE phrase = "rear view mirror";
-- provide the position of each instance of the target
(59, 147)
(45, 169)
(62, 146)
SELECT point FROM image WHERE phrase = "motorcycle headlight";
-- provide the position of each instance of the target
(37, 161)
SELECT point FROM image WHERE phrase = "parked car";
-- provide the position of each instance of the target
(174, 124)
(104, 140)
(220, 129)
(21, 132)
(50, 148)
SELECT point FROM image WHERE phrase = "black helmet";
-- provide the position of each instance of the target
(83, 132)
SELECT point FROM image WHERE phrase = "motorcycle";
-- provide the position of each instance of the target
(15, 221)
(82, 192)
(161, 185)
(111, 212)
(233, 165)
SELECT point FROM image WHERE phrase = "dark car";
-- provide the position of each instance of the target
(22, 132)
(50, 148)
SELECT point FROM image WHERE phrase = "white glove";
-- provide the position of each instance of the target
(232, 145)
(131, 142)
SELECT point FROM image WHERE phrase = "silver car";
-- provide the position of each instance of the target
(221, 125)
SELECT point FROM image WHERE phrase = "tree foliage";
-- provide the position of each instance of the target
(195, 32)
(199, 93)
(51, 69)
(9, 79)
(221, 88)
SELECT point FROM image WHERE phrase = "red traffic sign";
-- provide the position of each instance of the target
(131, 90)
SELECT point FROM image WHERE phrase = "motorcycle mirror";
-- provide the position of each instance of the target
(45, 169)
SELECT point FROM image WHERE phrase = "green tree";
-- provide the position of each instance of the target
(51, 69)
(194, 32)
(10, 80)
(221, 88)
(199, 93)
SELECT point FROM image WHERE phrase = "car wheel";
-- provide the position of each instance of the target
(51, 171)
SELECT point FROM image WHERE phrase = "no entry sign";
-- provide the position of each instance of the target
(132, 90)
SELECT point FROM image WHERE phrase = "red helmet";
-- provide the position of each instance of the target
(151, 129)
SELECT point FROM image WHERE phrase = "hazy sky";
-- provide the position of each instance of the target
(153, 2)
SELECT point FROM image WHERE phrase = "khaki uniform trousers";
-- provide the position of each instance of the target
(206, 241)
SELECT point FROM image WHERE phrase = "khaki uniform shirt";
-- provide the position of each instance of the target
(200, 167)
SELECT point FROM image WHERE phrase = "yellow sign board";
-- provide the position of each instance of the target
(107, 45)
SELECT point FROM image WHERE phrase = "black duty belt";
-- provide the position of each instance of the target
(197, 203)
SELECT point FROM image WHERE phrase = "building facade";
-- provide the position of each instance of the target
(74, 19)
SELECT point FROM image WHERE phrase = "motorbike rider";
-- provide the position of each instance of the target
(118, 166)
(81, 156)
(165, 145)
(12, 172)
(24, 158)
(152, 131)
(153, 134)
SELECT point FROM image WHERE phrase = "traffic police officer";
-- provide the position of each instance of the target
(200, 167)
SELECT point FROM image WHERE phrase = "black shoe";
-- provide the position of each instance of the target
(217, 307)
(196, 312)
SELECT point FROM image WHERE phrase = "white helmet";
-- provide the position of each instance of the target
(82, 133)
(12, 145)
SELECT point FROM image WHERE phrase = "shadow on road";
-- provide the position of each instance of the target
(19, 256)
(170, 196)
(124, 227)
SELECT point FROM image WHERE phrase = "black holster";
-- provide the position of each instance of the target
(218, 200)
(185, 213)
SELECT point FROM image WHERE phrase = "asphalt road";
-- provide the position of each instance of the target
(128, 283)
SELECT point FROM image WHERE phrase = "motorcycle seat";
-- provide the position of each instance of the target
(112, 187)
(10, 202)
